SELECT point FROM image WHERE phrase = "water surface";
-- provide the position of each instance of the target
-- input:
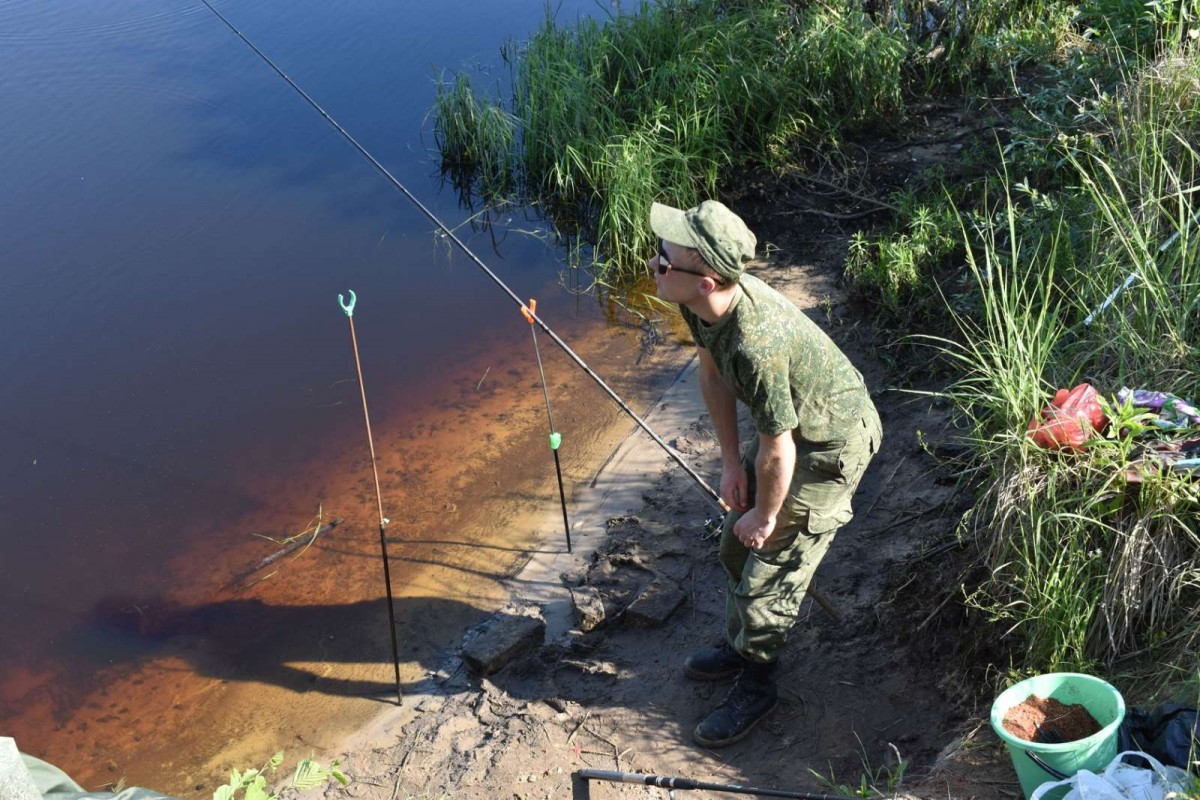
(175, 226)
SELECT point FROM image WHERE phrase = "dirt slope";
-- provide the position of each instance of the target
(883, 684)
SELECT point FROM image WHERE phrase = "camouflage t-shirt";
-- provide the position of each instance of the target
(780, 364)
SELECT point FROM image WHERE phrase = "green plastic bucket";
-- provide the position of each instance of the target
(1092, 753)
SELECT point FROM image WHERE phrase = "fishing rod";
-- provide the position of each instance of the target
(348, 308)
(581, 791)
(670, 451)
(1137, 272)
(555, 436)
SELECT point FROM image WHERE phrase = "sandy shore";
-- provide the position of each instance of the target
(869, 693)
(617, 489)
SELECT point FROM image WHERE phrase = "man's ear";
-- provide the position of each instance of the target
(708, 285)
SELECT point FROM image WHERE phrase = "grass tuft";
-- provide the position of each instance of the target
(660, 104)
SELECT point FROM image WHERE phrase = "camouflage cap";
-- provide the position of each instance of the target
(720, 236)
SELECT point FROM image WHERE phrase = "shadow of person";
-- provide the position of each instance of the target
(303, 648)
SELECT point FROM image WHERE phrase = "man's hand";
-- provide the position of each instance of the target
(735, 487)
(753, 530)
(773, 467)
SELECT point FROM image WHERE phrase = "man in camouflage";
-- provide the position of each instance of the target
(817, 430)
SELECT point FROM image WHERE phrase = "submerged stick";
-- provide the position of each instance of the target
(290, 545)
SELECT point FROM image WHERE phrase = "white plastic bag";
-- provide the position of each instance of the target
(1121, 781)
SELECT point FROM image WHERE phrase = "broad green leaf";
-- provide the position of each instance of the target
(309, 775)
(258, 792)
(276, 760)
(223, 793)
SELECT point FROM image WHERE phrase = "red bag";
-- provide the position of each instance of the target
(1071, 419)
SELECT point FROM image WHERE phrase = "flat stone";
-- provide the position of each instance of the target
(675, 567)
(658, 530)
(503, 637)
(589, 608)
(655, 604)
(605, 669)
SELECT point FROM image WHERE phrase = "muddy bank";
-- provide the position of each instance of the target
(865, 695)
(173, 688)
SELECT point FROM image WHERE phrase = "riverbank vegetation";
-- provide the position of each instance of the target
(1003, 261)
(1073, 255)
(607, 116)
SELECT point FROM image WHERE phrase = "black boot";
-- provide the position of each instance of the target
(714, 663)
(752, 697)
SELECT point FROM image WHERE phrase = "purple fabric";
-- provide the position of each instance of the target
(1170, 408)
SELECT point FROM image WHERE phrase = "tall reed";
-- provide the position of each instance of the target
(658, 105)
(1145, 187)
(1004, 353)
(476, 139)
(1094, 557)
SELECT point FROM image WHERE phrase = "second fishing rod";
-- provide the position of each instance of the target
(670, 451)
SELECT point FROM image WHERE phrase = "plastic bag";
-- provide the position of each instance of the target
(1170, 733)
(1071, 419)
(1121, 781)
(1173, 412)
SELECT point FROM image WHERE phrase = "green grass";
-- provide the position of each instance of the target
(893, 265)
(1088, 570)
(873, 781)
(1092, 175)
(476, 140)
(661, 104)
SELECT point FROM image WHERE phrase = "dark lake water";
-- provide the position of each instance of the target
(175, 227)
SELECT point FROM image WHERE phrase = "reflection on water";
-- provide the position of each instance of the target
(174, 230)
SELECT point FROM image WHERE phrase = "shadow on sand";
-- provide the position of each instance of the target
(250, 640)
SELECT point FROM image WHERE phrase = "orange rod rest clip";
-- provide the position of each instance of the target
(528, 311)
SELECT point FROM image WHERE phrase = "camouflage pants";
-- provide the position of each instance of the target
(766, 586)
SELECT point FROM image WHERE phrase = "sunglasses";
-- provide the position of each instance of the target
(665, 265)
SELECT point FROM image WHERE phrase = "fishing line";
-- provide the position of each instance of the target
(670, 451)
(555, 436)
(383, 521)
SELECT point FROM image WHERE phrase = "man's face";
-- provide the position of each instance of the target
(679, 273)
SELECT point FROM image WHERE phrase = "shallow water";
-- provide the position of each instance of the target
(175, 227)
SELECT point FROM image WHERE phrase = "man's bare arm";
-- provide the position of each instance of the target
(773, 470)
(774, 467)
(722, 408)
